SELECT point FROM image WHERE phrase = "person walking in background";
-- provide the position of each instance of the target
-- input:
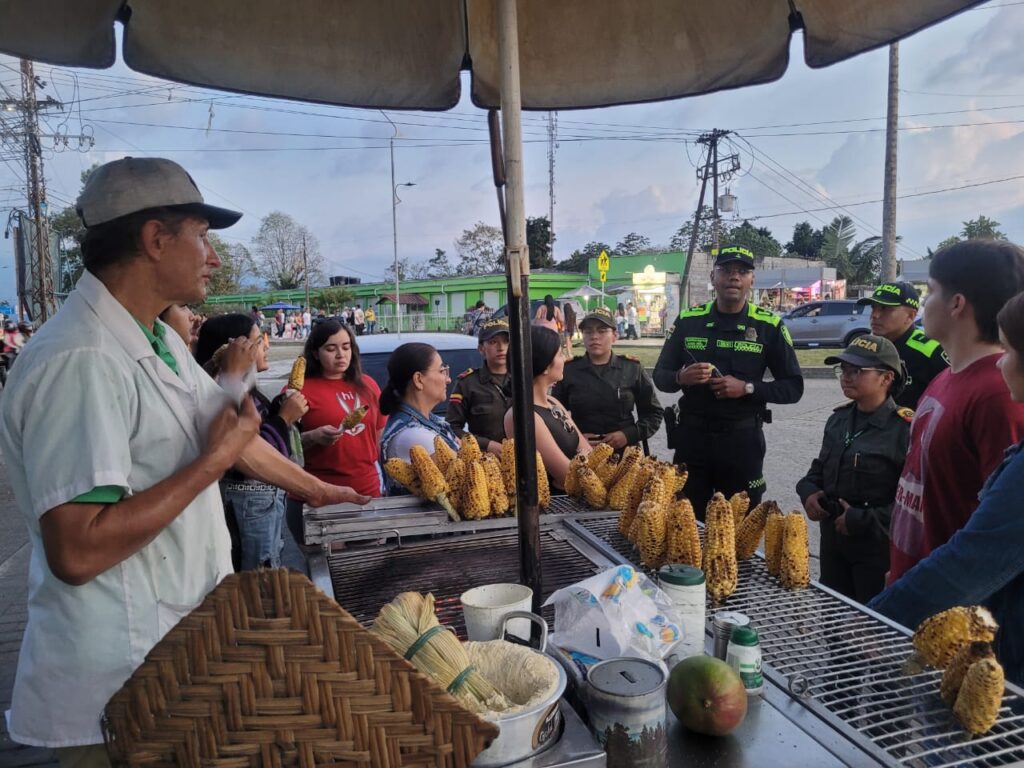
(631, 318)
(279, 323)
(307, 323)
(258, 317)
(850, 487)
(371, 320)
(894, 309)
(360, 319)
(620, 320)
(550, 316)
(570, 329)
(966, 417)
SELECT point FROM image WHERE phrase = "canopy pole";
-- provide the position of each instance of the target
(517, 271)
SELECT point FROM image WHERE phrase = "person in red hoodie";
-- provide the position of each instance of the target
(966, 418)
(334, 388)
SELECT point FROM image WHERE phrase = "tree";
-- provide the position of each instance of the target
(407, 271)
(278, 249)
(331, 300)
(864, 262)
(538, 238)
(632, 244)
(705, 234)
(981, 228)
(481, 250)
(70, 231)
(759, 240)
(579, 261)
(235, 265)
(806, 242)
(836, 245)
(439, 266)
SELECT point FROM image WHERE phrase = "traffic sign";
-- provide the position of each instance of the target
(602, 262)
(604, 275)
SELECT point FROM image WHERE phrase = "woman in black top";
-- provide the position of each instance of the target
(558, 439)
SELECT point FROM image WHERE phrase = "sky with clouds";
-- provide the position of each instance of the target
(808, 143)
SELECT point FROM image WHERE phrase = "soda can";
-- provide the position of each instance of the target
(721, 628)
(626, 706)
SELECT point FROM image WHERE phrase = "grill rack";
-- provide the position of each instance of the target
(846, 665)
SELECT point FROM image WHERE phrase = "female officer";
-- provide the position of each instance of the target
(851, 486)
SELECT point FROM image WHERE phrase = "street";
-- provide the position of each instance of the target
(793, 440)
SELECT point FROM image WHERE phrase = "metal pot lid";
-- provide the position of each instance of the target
(626, 677)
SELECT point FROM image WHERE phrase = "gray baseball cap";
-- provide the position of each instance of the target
(134, 184)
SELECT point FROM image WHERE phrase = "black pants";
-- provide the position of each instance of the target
(854, 566)
(293, 518)
(729, 462)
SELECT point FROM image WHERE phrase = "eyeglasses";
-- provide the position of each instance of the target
(852, 371)
(444, 369)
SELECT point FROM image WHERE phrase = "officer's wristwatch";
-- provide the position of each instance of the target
(748, 388)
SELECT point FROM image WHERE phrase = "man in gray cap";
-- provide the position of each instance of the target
(894, 308)
(115, 440)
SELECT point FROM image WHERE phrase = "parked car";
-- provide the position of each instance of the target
(831, 323)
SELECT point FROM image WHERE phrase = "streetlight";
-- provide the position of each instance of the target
(395, 200)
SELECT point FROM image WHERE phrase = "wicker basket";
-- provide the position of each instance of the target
(268, 671)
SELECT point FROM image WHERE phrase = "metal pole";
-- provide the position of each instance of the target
(714, 192)
(305, 273)
(42, 287)
(394, 238)
(891, 141)
(518, 305)
(684, 284)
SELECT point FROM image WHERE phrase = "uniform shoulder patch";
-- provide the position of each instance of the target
(907, 414)
(466, 372)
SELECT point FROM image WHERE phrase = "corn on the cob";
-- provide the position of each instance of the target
(977, 704)
(443, 454)
(432, 481)
(297, 377)
(543, 487)
(618, 496)
(456, 479)
(355, 417)
(606, 470)
(651, 539)
(720, 525)
(773, 541)
(953, 676)
(939, 637)
(630, 458)
(682, 475)
(508, 468)
(402, 472)
(636, 492)
(572, 477)
(599, 455)
(594, 493)
(740, 503)
(748, 534)
(682, 536)
(495, 485)
(469, 449)
(720, 573)
(476, 504)
(795, 565)
(719, 561)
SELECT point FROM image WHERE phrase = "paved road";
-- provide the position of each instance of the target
(793, 440)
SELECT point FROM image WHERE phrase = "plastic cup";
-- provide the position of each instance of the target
(484, 608)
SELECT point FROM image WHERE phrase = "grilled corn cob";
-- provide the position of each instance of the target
(601, 453)
(476, 504)
(953, 676)
(469, 450)
(508, 468)
(682, 537)
(297, 377)
(572, 477)
(618, 496)
(402, 472)
(443, 454)
(977, 704)
(630, 458)
(773, 526)
(636, 492)
(607, 470)
(740, 503)
(434, 486)
(456, 479)
(682, 475)
(939, 637)
(748, 534)
(721, 574)
(495, 485)
(355, 417)
(651, 539)
(795, 564)
(721, 527)
(543, 487)
(594, 493)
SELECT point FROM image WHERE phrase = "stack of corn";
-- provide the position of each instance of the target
(720, 568)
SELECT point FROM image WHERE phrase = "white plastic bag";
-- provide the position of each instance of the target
(619, 612)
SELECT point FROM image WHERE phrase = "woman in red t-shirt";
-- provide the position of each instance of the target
(336, 386)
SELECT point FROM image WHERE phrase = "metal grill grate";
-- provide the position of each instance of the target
(366, 579)
(847, 665)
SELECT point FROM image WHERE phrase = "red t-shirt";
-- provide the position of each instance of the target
(963, 423)
(353, 460)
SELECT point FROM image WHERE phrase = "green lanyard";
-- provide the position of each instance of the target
(848, 438)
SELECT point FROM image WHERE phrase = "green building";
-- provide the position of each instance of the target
(650, 281)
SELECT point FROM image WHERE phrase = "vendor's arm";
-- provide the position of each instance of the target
(787, 385)
(671, 359)
(979, 560)
(82, 540)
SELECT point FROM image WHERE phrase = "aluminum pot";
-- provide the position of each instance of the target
(530, 732)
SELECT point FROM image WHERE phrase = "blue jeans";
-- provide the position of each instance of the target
(259, 514)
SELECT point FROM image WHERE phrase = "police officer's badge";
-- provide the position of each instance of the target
(751, 334)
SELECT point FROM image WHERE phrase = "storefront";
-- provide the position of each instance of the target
(650, 282)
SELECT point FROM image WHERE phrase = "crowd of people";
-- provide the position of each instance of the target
(148, 463)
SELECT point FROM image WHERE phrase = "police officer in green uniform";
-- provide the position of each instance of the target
(481, 396)
(894, 307)
(717, 355)
(851, 486)
(602, 389)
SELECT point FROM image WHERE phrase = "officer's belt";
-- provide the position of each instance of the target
(720, 425)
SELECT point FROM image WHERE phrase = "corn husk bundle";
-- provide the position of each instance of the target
(408, 624)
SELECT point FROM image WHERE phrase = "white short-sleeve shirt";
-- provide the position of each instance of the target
(90, 404)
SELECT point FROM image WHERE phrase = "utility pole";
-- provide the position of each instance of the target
(714, 192)
(889, 195)
(305, 272)
(552, 146)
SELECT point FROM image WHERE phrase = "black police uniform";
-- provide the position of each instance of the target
(602, 398)
(861, 460)
(721, 440)
(480, 399)
(924, 359)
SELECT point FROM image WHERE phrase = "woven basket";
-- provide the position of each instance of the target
(268, 671)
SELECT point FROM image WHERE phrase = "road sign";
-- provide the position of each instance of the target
(602, 262)
(604, 275)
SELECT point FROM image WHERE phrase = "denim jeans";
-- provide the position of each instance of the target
(259, 515)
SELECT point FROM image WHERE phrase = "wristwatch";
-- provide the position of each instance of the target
(748, 388)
